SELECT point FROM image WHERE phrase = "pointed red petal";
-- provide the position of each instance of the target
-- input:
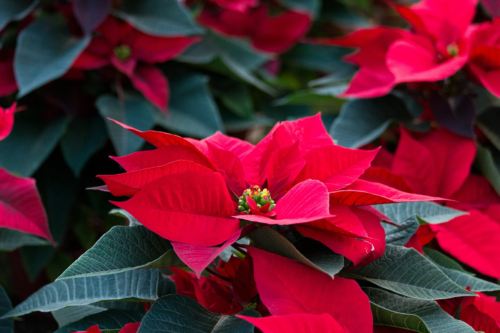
(190, 207)
(153, 84)
(280, 282)
(335, 166)
(476, 192)
(6, 121)
(21, 207)
(359, 251)
(157, 139)
(162, 156)
(305, 202)
(472, 239)
(130, 183)
(198, 257)
(130, 328)
(296, 323)
(362, 193)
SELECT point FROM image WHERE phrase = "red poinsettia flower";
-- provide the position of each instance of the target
(270, 33)
(485, 55)
(6, 121)
(133, 52)
(436, 48)
(194, 193)
(8, 83)
(21, 207)
(439, 164)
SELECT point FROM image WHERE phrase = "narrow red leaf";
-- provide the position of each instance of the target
(6, 121)
(296, 323)
(190, 207)
(130, 183)
(161, 156)
(236, 146)
(157, 139)
(363, 193)
(153, 84)
(335, 166)
(21, 207)
(130, 328)
(280, 282)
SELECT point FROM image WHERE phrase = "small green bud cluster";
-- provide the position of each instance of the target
(261, 198)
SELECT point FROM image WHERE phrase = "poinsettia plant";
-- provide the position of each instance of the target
(277, 166)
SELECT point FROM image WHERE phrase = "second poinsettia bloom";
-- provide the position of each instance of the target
(197, 192)
(133, 53)
(435, 49)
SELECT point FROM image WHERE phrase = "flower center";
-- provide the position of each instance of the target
(262, 198)
(452, 49)
(122, 52)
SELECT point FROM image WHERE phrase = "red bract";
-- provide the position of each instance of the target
(212, 293)
(296, 323)
(237, 5)
(435, 49)
(270, 33)
(195, 192)
(6, 121)
(21, 207)
(133, 52)
(128, 328)
(8, 83)
(485, 55)
(280, 282)
(482, 313)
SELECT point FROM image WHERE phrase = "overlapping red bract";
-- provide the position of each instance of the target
(186, 191)
(442, 41)
(145, 50)
(6, 121)
(439, 164)
(21, 207)
(128, 328)
(296, 323)
(270, 33)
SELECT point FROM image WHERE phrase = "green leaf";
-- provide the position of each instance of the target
(84, 137)
(400, 235)
(15, 10)
(12, 239)
(33, 137)
(457, 274)
(159, 17)
(316, 57)
(46, 49)
(311, 6)
(192, 109)
(6, 325)
(138, 284)
(413, 314)
(363, 120)
(487, 163)
(108, 320)
(135, 111)
(236, 97)
(71, 314)
(428, 211)
(318, 256)
(132, 221)
(123, 249)
(407, 272)
(322, 96)
(486, 121)
(181, 314)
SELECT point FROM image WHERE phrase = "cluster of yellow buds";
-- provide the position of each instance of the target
(261, 197)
